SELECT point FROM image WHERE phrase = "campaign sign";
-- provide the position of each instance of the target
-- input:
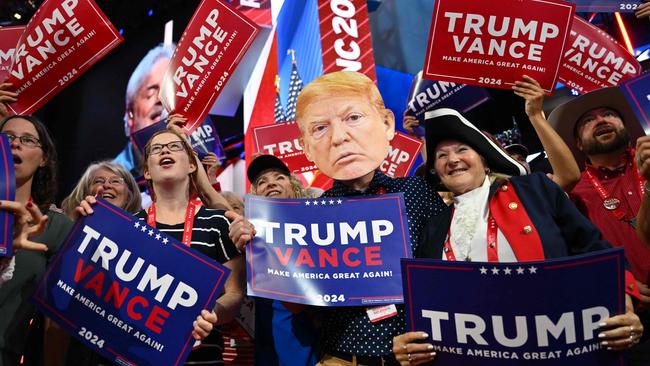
(402, 153)
(204, 139)
(7, 192)
(62, 40)
(337, 251)
(8, 40)
(258, 11)
(282, 141)
(528, 313)
(426, 95)
(594, 60)
(606, 6)
(124, 289)
(637, 92)
(205, 58)
(345, 37)
(495, 43)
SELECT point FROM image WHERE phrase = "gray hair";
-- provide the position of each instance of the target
(133, 202)
(140, 72)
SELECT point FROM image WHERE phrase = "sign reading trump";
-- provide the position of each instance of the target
(334, 251)
(8, 39)
(495, 43)
(526, 313)
(594, 60)
(208, 53)
(62, 40)
(124, 289)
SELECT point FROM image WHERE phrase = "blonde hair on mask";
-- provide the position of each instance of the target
(338, 83)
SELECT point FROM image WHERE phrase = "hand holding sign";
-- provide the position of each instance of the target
(532, 92)
(6, 97)
(241, 230)
(643, 10)
(409, 349)
(643, 156)
(621, 331)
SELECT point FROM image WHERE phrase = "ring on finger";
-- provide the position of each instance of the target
(404, 348)
(408, 357)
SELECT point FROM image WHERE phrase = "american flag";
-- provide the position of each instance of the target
(278, 111)
(295, 86)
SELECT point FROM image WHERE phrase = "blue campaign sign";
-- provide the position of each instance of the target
(127, 290)
(204, 139)
(637, 92)
(528, 313)
(340, 251)
(426, 95)
(606, 6)
(7, 192)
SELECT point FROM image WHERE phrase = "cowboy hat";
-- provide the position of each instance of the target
(564, 118)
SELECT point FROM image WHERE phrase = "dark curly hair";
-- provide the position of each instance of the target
(44, 183)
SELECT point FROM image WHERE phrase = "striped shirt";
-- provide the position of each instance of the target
(209, 237)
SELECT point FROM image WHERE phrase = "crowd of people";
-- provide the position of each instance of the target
(345, 131)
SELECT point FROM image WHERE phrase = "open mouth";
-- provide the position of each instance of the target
(600, 131)
(273, 193)
(108, 196)
(156, 116)
(165, 162)
(457, 171)
(17, 159)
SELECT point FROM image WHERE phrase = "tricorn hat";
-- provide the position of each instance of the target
(447, 124)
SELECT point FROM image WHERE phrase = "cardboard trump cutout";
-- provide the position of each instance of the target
(345, 127)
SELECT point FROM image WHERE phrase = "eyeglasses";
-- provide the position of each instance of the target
(25, 140)
(113, 181)
(156, 149)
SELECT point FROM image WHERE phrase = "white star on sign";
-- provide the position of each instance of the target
(331, 202)
(483, 270)
(495, 271)
(157, 236)
(165, 240)
(307, 203)
(533, 269)
(315, 203)
(520, 270)
(150, 232)
(339, 201)
(136, 225)
(507, 271)
(144, 228)
(323, 202)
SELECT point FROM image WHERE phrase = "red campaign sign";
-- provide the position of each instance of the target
(9, 37)
(208, 53)
(594, 60)
(62, 40)
(403, 152)
(258, 11)
(345, 37)
(495, 43)
(281, 140)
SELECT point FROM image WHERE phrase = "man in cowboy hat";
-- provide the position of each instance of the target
(601, 129)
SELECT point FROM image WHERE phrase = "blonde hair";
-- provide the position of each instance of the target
(190, 155)
(338, 83)
(132, 203)
(296, 185)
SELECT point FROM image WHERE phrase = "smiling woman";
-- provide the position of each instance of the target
(115, 183)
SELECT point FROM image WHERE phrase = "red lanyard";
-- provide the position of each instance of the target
(612, 204)
(189, 220)
(492, 245)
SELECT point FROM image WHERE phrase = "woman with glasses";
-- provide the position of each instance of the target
(109, 181)
(175, 179)
(34, 158)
